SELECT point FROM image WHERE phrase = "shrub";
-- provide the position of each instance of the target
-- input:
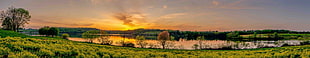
(65, 36)
(128, 45)
(195, 46)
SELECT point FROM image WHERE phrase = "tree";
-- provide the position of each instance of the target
(195, 46)
(141, 41)
(275, 35)
(53, 31)
(14, 18)
(255, 35)
(163, 37)
(90, 35)
(65, 36)
(47, 31)
(44, 31)
(233, 35)
(200, 39)
(104, 40)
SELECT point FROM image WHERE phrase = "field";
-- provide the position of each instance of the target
(19, 45)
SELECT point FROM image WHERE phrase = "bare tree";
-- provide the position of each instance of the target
(200, 39)
(141, 41)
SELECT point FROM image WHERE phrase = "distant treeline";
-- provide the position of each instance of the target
(215, 35)
(73, 32)
(268, 31)
(176, 34)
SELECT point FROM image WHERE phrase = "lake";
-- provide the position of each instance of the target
(207, 44)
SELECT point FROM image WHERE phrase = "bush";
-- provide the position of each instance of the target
(305, 42)
(65, 36)
(128, 45)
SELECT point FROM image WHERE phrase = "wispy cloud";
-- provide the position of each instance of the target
(174, 15)
(239, 4)
(214, 2)
(177, 26)
(60, 23)
(165, 6)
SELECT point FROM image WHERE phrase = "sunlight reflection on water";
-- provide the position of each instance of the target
(207, 44)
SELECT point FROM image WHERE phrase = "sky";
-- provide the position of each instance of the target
(187, 15)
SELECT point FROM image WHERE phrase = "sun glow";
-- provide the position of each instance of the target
(132, 27)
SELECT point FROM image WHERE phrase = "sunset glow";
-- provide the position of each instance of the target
(198, 15)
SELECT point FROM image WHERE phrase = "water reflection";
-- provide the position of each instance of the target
(207, 44)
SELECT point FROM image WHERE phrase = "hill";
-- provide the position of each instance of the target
(30, 47)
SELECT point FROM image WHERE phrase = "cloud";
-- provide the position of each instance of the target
(165, 6)
(177, 26)
(239, 4)
(169, 16)
(214, 2)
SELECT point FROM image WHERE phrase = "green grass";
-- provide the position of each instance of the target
(5, 33)
(32, 47)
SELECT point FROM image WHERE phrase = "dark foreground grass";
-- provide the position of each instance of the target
(31, 47)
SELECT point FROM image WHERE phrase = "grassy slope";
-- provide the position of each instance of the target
(30, 46)
(4, 33)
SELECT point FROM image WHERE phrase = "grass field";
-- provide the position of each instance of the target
(19, 45)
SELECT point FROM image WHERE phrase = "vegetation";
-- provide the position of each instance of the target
(163, 37)
(65, 36)
(104, 40)
(34, 47)
(49, 31)
(200, 39)
(75, 32)
(14, 18)
(190, 35)
(279, 36)
(141, 41)
(91, 35)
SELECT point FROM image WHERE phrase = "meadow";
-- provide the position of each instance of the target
(17, 45)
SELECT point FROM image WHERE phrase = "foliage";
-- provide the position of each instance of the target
(65, 36)
(163, 37)
(14, 18)
(15, 47)
(75, 32)
(53, 31)
(35, 47)
(91, 35)
(44, 30)
(200, 38)
(104, 40)
(195, 46)
(141, 41)
(255, 35)
(128, 44)
(233, 35)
